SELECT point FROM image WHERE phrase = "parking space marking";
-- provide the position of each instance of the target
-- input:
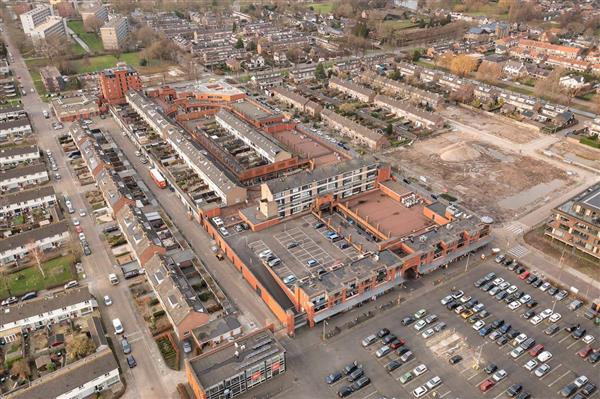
(501, 393)
(551, 371)
(573, 344)
(473, 376)
(595, 392)
(369, 395)
(444, 394)
(560, 342)
(559, 378)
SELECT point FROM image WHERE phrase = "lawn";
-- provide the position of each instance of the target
(58, 271)
(322, 8)
(400, 24)
(90, 38)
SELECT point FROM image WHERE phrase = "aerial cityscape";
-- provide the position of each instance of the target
(258, 199)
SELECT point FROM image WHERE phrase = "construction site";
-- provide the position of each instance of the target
(475, 171)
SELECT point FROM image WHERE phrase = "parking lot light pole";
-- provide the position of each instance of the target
(323, 334)
(479, 354)
(467, 265)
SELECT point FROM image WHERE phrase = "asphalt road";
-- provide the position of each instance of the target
(141, 381)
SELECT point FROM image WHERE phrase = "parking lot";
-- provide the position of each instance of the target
(463, 379)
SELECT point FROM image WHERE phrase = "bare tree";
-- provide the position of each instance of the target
(21, 369)
(37, 254)
(80, 347)
(93, 24)
(489, 72)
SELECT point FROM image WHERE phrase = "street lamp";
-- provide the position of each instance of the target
(323, 334)
(467, 265)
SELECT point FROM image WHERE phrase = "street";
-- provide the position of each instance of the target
(141, 381)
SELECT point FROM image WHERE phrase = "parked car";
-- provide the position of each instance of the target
(333, 377)
(125, 345)
(131, 361)
(542, 370)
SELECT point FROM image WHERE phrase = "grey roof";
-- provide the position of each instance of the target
(14, 151)
(352, 86)
(216, 328)
(44, 304)
(215, 366)
(67, 378)
(26, 195)
(11, 109)
(303, 178)
(290, 95)
(97, 332)
(245, 132)
(34, 235)
(590, 198)
(14, 123)
(22, 171)
(409, 109)
(350, 124)
(251, 110)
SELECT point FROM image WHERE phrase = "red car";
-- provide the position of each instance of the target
(395, 344)
(585, 352)
(524, 275)
(78, 229)
(536, 350)
(486, 385)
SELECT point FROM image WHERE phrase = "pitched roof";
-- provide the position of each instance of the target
(22, 239)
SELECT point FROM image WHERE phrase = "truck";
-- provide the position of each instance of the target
(158, 178)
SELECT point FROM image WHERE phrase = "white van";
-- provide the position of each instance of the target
(114, 280)
(118, 326)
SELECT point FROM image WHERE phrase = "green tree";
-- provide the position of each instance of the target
(360, 30)
(320, 72)
(389, 129)
(239, 43)
(251, 46)
(416, 54)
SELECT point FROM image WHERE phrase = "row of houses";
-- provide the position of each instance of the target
(12, 156)
(355, 131)
(352, 89)
(396, 88)
(415, 115)
(169, 267)
(15, 129)
(297, 101)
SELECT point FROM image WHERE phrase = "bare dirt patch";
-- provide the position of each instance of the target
(485, 178)
(497, 125)
(577, 153)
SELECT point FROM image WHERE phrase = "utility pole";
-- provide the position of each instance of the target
(467, 265)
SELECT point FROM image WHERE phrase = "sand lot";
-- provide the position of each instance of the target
(485, 178)
(577, 153)
(497, 125)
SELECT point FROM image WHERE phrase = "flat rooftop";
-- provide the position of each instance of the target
(590, 199)
(308, 147)
(388, 215)
(251, 110)
(222, 363)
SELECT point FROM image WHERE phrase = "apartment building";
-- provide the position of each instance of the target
(418, 117)
(53, 28)
(23, 176)
(262, 144)
(8, 88)
(297, 101)
(69, 109)
(44, 238)
(285, 197)
(26, 200)
(114, 33)
(356, 132)
(236, 367)
(352, 89)
(52, 79)
(41, 311)
(227, 190)
(11, 156)
(116, 82)
(577, 222)
(267, 80)
(81, 379)
(15, 128)
(35, 17)
(568, 63)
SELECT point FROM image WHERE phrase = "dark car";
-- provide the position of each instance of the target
(356, 374)
(529, 314)
(552, 329)
(318, 225)
(594, 357)
(497, 323)
(538, 283)
(528, 343)
(408, 320)
(383, 332)
(578, 333)
(345, 391)
(487, 286)
(131, 361)
(572, 328)
(588, 389)
(333, 377)
(401, 351)
(514, 389)
(532, 304)
(505, 328)
(523, 395)
(388, 339)
(479, 282)
(512, 334)
(453, 305)
(360, 383)
(350, 367)
(531, 279)
(455, 359)
(393, 365)
(519, 269)
(568, 390)
(485, 331)
(490, 368)
(501, 295)
(552, 290)
(471, 303)
(28, 296)
(502, 340)
(125, 345)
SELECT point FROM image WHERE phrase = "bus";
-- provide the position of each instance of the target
(158, 178)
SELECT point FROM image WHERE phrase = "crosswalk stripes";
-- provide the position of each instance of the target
(518, 251)
(514, 228)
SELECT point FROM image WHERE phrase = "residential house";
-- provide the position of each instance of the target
(23, 176)
(26, 200)
(14, 129)
(44, 238)
(356, 132)
(11, 156)
(515, 69)
(415, 115)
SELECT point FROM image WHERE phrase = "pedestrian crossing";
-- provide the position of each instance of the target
(515, 228)
(518, 251)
